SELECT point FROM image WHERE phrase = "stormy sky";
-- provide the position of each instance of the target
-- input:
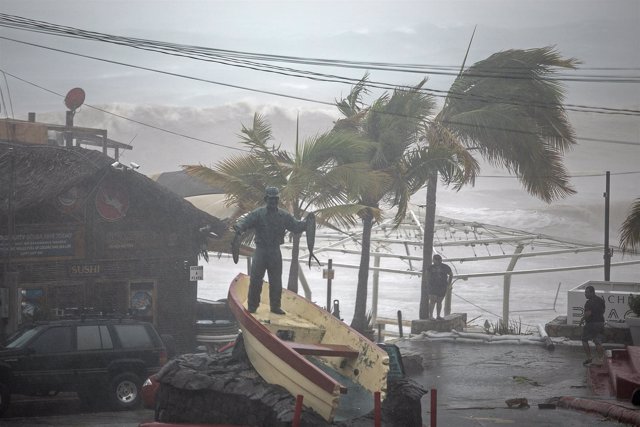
(603, 35)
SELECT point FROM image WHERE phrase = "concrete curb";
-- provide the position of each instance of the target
(606, 409)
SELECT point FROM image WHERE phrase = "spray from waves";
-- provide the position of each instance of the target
(159, 151)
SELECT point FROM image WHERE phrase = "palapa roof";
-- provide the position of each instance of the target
(42, 172)
(185, 185)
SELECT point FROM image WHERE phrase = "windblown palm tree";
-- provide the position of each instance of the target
(393, 124)
(630, 229)
(310, 179)
(509, 110)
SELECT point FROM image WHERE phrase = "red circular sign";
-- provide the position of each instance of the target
(112, 202)
(74, 98)
(69, 201)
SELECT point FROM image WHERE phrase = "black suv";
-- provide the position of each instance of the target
(100, 359)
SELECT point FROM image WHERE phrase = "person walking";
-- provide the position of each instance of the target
(593, 321)
(440, 276)
(270, 224)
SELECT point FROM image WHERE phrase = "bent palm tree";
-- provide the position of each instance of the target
(311, 178)
(393, 124)
(507, 110)
(630, 229)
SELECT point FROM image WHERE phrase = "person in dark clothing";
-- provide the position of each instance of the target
(440, 276)
(270, 224)
(593, 321)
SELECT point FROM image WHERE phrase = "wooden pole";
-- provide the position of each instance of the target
(607, 250)
(297, 414)
(376, 285)
(434, 407)
(507, 286)
(68, 135)
(329, 277)
(377, 410)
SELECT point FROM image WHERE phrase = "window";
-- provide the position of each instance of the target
(93, 338)
(133, 336)
(19, 339)
(53, 340)
(106, 337)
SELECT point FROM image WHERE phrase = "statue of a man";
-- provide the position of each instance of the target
(270, 224)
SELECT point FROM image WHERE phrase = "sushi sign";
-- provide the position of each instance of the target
(616, 299)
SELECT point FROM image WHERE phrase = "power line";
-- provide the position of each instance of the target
(579, 175)
(171, 74)
(244, 150)
(230, 57)
(6, 83)
(128, 118)
(344, 80)
(517, 131)
(26, 24)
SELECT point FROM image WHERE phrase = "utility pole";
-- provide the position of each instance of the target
(10, 276)
(68, 135)
(607, 250)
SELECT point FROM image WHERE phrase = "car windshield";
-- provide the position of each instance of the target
(19, 339)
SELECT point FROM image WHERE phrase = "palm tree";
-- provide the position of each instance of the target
(630, 229)
(507, 110)
(311, 178)
(393, 124)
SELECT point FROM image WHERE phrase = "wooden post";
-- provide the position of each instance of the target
(329, 275)
(607, 250)
(376, 284)
(10, 275)
(68, 135)
(434, 407)
(548, 343)
(377, 409)
(447, 301)
(305, 285)
(297, 414)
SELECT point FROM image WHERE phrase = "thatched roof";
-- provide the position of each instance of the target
(185, 185)
(42, 172)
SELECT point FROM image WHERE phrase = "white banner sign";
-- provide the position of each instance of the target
(196, 272)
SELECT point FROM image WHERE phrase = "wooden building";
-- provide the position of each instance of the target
(78, 230)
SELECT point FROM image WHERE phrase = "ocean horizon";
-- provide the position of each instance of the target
(534, 298)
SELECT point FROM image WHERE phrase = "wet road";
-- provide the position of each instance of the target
(474, 380)
(65, 410)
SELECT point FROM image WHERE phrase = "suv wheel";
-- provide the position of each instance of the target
(5, 397)
(125, 391)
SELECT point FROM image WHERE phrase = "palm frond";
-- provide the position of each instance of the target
(630, 229)
(345, 216)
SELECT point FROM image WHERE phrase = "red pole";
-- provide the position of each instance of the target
(298, 411)
(377, 410)
(434, 407)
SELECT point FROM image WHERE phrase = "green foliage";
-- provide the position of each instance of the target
(630, 229)
(507, 109)
(634, 304)
(499, 328)
(393, 125)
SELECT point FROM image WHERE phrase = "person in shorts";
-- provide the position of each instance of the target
(440, 276)
(593, 321)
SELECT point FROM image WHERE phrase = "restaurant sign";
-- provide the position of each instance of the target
(83, 269)
(39, 244)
